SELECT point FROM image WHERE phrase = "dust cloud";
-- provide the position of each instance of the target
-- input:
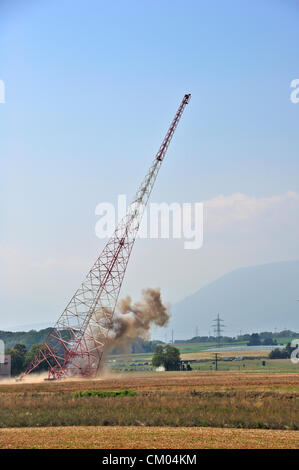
(133, 321)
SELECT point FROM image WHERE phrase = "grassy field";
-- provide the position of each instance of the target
(200, 352)
(121, 437)
(190, 399)
(203, 361)
(184, 348)
(197, 347)
(249, 364)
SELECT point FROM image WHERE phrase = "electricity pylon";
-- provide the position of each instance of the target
(218, 328)
(75, 345)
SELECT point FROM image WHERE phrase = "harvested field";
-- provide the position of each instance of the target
(224, 400)
(146, 438)
(211, 354)
(166, 381)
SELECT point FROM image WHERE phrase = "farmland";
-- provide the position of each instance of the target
(250, 403)
(137, 437)
(188, 399)
(203, 361)
(202, 354)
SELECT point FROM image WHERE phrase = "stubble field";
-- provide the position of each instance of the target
(132, 437)
(186, 409)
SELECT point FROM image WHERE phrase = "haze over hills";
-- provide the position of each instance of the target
(30, 326)
(251, 299)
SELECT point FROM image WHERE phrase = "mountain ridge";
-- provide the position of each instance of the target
(248, 298)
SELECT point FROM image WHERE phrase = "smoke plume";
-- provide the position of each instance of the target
(134, 321)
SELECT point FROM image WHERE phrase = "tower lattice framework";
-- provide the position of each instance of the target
(75, 345)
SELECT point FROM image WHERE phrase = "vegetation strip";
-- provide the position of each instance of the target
(189, 408)
(104, 393)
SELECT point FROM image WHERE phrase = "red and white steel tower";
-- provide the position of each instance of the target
(75, 345)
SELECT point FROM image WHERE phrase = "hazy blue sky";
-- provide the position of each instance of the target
(91, 87)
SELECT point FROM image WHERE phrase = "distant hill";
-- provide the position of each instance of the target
(251, 299)
(28, 338)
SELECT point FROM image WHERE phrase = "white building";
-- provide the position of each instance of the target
(5, 367)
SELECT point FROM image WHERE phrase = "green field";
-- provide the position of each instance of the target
(197, 347)
(253, 360)
(247, 365)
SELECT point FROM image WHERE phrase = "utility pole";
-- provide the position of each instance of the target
(196, 331)
(172, 336)
(218, 328)
(217, 358)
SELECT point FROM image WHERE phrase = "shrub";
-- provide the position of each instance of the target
(166, 356)
(281, 353)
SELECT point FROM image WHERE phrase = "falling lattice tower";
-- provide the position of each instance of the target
(75, 345)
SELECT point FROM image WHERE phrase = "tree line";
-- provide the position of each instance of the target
(266, 338)
(21, 357)
(33, 337)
